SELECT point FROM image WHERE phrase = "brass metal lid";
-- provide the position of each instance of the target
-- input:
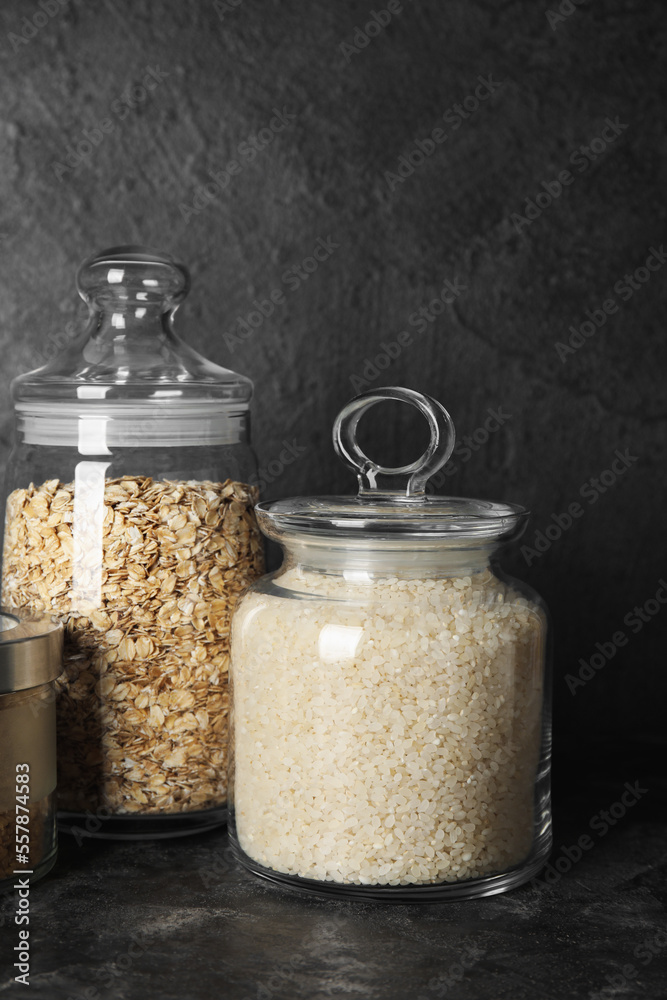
(31, 648)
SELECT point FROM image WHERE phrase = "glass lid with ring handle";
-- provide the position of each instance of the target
(393, 502)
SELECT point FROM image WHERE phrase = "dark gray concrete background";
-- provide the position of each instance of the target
(204, 78)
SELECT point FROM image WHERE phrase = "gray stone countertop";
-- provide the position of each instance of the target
(180, 920)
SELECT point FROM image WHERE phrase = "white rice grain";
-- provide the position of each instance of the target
(387, 732)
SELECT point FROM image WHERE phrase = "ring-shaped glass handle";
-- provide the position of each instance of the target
(417, 473)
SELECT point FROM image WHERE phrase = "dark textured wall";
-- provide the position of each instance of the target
(171, 93)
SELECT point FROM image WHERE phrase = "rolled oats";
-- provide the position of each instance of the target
(142, 704)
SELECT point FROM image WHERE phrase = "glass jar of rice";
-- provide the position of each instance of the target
(389, 717)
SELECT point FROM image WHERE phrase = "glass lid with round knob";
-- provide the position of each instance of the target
(393, 502)
(128, 365)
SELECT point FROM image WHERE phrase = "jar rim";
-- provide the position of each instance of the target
(453, 519)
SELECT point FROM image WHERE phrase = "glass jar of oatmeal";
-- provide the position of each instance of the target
(129, 515)
(390, 708)
(30, 660)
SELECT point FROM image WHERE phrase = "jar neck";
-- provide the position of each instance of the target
(367, 559)
(131, 335)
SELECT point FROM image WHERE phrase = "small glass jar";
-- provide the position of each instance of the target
(30, 660)
(390, 705)
(129, 515)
